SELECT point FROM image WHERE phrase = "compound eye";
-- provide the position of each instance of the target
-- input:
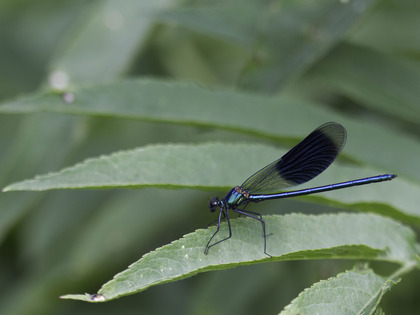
(214, 204)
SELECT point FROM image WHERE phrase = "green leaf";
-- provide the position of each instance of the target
(352, 292)
(295, 236)
(178, 166)
(176, 102)
(268, 117)
(188, 166)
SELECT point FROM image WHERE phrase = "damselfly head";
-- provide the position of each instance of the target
(214, 204)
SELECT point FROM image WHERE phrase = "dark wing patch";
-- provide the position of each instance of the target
(302, 163)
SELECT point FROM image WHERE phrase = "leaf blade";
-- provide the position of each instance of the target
(187, 166)
(184, 258)
(351, 292)
(273, 118)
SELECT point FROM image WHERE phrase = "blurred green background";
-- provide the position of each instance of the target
(360, 59)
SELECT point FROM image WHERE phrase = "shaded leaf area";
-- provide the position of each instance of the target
(356, 291)
(154, 100)
(284, 39)
(34, 136)
(370, 77)
(389, 27)
(64, 240)
(102, 25)
(293, 39)
(220, 19)
(295, 236)
(118, 29)
(189, 166)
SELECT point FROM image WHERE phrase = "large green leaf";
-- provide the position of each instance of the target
(189, 166)
(176, 165)
(295, 236)
(278, 118)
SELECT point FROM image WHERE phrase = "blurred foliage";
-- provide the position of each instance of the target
(271, 71)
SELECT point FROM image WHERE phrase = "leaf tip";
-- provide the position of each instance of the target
(12, 187)
(84, 297)
(7, 188)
